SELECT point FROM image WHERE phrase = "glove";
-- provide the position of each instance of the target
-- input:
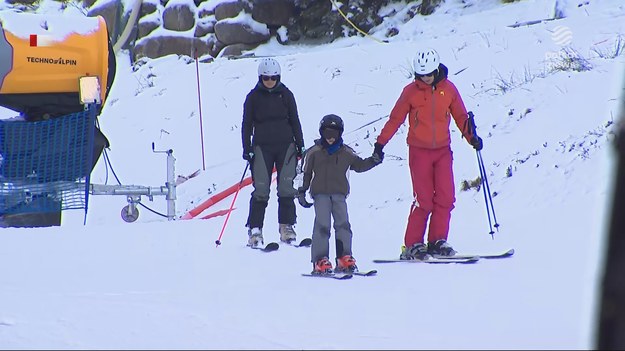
(377, 151)
(476, 142)
(376, 159)
(301, 198)
(248, 156)
(300, 151)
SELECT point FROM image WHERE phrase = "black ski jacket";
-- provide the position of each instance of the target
(270, 117)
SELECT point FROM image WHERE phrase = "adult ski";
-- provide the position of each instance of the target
(433, 260)
(272, 246)
(306, 242)
(339, 276)
(502, 254)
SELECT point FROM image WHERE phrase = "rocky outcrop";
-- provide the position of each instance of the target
(230, 28)
(179, 17)
(154, 47)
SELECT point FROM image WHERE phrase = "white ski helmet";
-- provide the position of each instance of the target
(268, 67)
(426, 61)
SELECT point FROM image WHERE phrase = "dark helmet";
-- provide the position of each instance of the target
(333, 122)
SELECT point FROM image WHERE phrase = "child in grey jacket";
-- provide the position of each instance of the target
(325, 172)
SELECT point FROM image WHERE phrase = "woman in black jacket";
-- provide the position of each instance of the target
(272, 137)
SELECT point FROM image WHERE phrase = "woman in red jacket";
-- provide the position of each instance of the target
(429, 103)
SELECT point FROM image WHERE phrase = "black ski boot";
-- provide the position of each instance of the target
(440, 248)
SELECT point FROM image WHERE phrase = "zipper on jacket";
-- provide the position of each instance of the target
(433, 117)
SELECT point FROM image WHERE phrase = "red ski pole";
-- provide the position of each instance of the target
(218, 241)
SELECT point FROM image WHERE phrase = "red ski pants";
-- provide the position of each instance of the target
(433, 189)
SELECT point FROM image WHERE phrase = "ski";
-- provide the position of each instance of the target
(433, 260)
(359, 272)
(366, 273)
(273, 246)
(339, 276)
(461, 256)
(304, 243)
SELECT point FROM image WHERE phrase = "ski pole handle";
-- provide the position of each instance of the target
(472, 123)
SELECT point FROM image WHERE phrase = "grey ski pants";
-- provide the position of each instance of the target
(328, 207)
(284, 158)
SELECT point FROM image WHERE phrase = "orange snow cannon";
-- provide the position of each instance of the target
(42, 58)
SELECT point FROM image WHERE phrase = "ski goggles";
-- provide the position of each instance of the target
(330, 133)
(431, 74)
(268, 78)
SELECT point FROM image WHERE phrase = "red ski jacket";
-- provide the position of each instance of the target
(429, 109)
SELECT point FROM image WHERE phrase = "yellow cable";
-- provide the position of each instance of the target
(353, 25)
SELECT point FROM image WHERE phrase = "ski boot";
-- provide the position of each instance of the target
(440, 248)
(322, 266)
(346, 264)
(287, 233)
(255, 237)
(418, 251)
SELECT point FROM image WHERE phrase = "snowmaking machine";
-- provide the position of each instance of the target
(55, 72)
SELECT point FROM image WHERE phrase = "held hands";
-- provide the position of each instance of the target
(376, 159)
(476, 142)
(301, 198)
(378, 154)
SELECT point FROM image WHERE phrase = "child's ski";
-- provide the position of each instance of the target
(358, 272)
(366, 273)
(339, 276)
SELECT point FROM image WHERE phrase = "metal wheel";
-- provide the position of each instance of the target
(129, 215)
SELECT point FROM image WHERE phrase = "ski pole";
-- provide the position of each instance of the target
(490, 198)
(199, 101)
(484, 179)
(218, 241)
